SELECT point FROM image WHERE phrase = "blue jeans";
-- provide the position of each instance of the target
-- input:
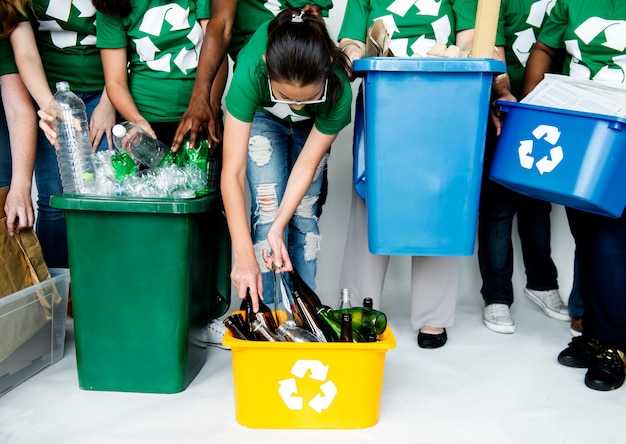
(575, 303)
(50, 226)
(273, 149)
(601, 253)
(498, 207)
(5, 150)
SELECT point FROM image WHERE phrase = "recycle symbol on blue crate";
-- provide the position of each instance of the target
(547, 163)
(288, 388)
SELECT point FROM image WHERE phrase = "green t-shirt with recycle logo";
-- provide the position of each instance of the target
(593, 34)
(163, 40)
(253, 13)
(522, 20)
(414, 26)
(249, 92)
(65, 32)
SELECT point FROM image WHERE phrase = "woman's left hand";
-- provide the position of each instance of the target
(101, 123)
(279, 258)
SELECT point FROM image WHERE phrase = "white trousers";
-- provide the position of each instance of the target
(434, 279)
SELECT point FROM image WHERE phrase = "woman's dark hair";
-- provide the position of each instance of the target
(118, 7)
(300, 51)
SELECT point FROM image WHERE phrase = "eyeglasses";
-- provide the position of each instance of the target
(298, 102)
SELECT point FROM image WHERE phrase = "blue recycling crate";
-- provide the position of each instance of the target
(424, 123)
(566, 157)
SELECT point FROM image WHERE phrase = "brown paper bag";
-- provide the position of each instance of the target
(377, 41)
(21, 266)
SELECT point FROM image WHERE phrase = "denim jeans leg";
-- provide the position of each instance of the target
(495, 248)
(533, 224)
(5, 150)
(273, 149)
(601, 253)
(575, 304)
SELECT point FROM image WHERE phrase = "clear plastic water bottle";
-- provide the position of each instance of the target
(142, 147)
(74, 154)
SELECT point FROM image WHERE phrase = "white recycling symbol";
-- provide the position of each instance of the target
(288, 388)
(547, 163)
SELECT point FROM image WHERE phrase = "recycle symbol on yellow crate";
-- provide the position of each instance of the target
(288, 388)
(546, 164)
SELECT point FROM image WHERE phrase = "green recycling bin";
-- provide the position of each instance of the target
(147, 275)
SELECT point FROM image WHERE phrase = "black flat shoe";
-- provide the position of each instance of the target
(579, 352)
(606, 371)
(427, 340)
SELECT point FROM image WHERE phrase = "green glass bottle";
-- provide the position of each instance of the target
(363, 318)
(335, 326)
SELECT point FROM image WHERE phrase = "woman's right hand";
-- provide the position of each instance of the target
(46, 123)
(246, 274)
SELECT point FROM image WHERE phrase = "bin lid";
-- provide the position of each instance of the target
(427, 64)
(123, 204)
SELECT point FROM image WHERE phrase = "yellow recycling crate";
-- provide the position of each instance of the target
(308, 385)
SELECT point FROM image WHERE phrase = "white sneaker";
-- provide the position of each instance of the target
(212, 334)
(550, 302)
(497, 317)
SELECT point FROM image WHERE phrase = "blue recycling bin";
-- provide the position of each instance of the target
(566, 157)
(424, 122)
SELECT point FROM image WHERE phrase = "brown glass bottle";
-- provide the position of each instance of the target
(237, 330)
(264, 315)
(346, 328)
(310, 320)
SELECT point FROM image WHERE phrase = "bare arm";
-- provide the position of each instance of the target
(114, 63)
(539, 63)
(22, 124)
(207, 90)
(246, 273)
(29, 64)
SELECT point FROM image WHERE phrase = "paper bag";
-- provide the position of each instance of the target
(377, 41)
(21, 266)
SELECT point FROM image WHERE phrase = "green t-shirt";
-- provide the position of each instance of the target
(7, 63)
(163, 40)
(593, 34)
(522, 20)
(414, 27)
(66, 37)
(253, 13)
(249, 92)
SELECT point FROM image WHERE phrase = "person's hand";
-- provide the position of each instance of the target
(19, 210)
(279, 257)
(197, 120)
(353, 49)
(246, 275)
(146, 125)
(496, 115)
(46, 123)
(101, 123)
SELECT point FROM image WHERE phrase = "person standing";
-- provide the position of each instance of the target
(521, 21)
(434, 280)
(56, 42)
(149, 55)
(591, 34)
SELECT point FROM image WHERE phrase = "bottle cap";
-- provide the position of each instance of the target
(119, 130)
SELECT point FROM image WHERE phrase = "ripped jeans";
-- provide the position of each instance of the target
(273, 149)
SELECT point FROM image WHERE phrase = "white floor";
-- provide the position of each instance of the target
(482, 387)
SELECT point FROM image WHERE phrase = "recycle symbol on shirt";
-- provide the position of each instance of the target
(288, 388)
(547, 163)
